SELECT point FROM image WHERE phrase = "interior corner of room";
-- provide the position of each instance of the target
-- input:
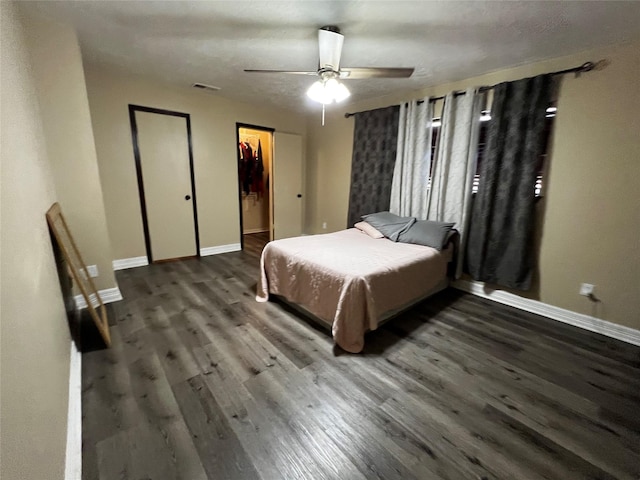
(83, 133)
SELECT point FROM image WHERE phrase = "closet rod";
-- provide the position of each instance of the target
(585, 67)
(249, 138)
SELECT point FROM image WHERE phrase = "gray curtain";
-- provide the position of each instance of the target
(413, 160)
(375, 139)
(500, 242)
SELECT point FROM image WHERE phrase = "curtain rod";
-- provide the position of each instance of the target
(585, 67)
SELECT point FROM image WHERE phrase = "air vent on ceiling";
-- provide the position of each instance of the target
(204, 86)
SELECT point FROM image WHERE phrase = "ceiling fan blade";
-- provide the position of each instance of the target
(330, 42)
(291, 72)
(375, 72)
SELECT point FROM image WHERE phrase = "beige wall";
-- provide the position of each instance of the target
(255, 209)
(57, 67)
(328, 172)
(213, 122)
(591, 227)
(35, 342)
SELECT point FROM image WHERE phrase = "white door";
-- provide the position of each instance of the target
(166, 173)
(287, 185)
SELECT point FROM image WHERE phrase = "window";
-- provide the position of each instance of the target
(485, 118)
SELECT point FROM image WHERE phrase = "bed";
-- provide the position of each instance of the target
(350, 281)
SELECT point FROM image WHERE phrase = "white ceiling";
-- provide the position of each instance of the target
(182, 42)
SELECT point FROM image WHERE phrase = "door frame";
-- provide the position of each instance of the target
(136, 153)
(252, 127)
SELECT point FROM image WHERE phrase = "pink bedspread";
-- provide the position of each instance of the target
(349, 279)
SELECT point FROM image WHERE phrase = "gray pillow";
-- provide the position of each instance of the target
(389, 224)
(426, 232)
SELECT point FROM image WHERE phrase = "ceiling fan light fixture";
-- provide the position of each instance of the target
(318, 93)
(341, 92)
(328, 91)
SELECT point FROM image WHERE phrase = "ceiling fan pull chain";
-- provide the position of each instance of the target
(323, 114)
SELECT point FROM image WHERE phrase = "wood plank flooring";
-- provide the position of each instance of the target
(202, 382)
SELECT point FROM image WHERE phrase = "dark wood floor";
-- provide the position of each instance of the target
(204, 382)
(253, 243)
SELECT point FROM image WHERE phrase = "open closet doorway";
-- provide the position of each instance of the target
(255, 176)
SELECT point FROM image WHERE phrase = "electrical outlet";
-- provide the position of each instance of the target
(324, 225)
(586, 289)
(92, 270)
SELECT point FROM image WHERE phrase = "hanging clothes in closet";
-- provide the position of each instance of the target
(246, 166)
(258, 181)
(251, 168)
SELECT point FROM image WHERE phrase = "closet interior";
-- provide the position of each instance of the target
(255, 154)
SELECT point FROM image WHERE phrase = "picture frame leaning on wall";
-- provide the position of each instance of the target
(78, 270)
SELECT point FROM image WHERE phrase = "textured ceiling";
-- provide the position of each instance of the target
(213, 42)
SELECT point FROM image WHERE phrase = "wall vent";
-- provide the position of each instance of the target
(204, 86)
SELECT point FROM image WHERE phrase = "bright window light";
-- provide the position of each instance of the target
(485, 116)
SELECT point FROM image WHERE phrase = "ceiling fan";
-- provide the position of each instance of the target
(328, 89)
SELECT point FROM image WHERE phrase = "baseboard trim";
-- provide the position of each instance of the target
(587, 322)
(107, 295)
(73, 458)
(232, 247)
(132, 262)
(254, 230)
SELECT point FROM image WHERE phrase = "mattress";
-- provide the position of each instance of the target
(349, 280)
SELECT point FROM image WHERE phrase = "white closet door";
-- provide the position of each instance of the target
(287, 185)
(164, 158)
